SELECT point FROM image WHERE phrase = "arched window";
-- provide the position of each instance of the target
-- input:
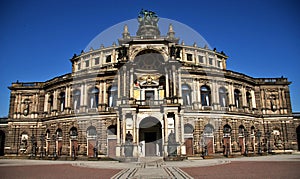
(188, 129)
(208, 129)
(252, 130)
(76, 99)
(186, 94)
(249, 99)
(237, 98)
(62, 100)
(223, 97)
(205, 95)
(59, 133)
(73, 132)
(112, 96)
(91, 131)
(241, 130)
(93, 97)
(226, 129)
(48, 137)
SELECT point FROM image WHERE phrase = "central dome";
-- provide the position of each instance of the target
(111, 35)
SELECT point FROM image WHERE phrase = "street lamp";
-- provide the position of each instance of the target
(268, 135)
(54, 139)
(73, 152)
(96, 150)
(33, 146)
(258, 135)
(42, 138)
(246, 142)
(227, 132)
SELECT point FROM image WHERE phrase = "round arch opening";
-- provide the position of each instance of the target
(150, 137)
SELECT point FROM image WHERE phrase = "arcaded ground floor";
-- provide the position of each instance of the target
(272, 166)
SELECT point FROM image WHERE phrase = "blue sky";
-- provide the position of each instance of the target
(37, 38)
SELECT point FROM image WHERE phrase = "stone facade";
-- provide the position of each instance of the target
(150, 96)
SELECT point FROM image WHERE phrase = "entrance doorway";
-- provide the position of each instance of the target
(149, 97)
(298, 136)
(150, 137)
(2, 143)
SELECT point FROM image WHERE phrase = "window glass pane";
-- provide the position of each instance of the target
(96, 61)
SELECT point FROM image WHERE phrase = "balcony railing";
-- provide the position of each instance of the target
(149, 102)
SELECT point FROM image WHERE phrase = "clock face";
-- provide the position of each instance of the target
(25, 112)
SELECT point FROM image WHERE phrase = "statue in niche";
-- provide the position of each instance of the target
(128, 145)
(172, 146)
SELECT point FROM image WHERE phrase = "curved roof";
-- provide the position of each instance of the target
(113, 33)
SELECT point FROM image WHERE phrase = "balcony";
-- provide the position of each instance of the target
(149, 102)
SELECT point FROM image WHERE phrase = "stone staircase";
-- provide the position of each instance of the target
(151, 167)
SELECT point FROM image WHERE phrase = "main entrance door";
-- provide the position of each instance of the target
(150, 142)
(298, 136)
(151, 136)
(2, 143)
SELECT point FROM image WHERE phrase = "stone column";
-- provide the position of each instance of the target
(174, 80)
(67, 97)
(177, 131)
(244, 101)
(85, 95)
(179, 83)
(167, 83)
(55, 100)
(101, 95)
(166, 128)
(104, 93)
(46, 103)
(262, 97)
(123, 128)
(194, 91)
(124, 81)
(118, 130)
(214, 94)
(82, 95)
(131, 83)
(283, 99)
(16, 103)
(198, 95)
(134, 128)
(119, 84)
(230, 94)
(253, 99)
(36, 104)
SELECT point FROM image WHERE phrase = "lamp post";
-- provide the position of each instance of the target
(258, 135)
(33, 146)
(96, 150)
(54, 140)
(268, 135)
(227, 132)
(42, 138)
(246, 142)
(73, 152)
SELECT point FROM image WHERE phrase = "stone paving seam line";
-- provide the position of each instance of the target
(169, 172)
(183, 174)
(120, 173)
(132, 173)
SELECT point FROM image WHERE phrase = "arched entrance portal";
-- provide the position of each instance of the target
(298, 136)
(150, 137)
(2, 143)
